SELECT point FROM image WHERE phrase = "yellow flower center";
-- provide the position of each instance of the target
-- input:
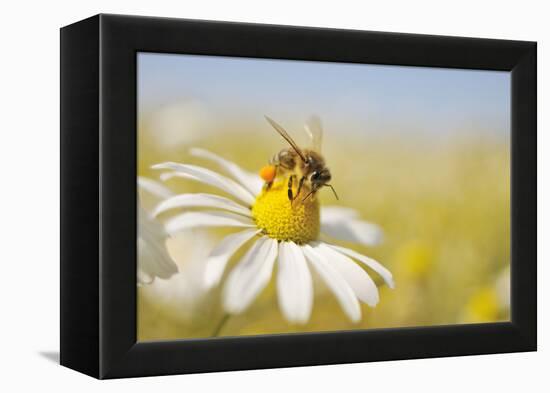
(280, 219)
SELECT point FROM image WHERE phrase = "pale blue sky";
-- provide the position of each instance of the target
(405, 99)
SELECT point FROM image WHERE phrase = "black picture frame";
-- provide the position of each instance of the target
(98, 195)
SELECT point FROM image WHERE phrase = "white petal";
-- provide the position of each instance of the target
(342, 224)
(355, 231)
(191, 220)
(144, 278)
(294, 284)
(358, 279)
(374, 265)
(220, 255)
(250, 276)
(250, 181)
(153, 258)
(154, 261)
(211, 178)
(200, 200)
(155, 188)
(337, 284)
(169, 175)
(332, 213)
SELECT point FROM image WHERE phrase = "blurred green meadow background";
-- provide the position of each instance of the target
(423, 153)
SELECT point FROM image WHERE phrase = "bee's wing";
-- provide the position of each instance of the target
(314, 130)
(287, 137)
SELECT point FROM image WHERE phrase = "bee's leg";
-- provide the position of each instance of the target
(291, 179)
(300, 184)
(270, 183)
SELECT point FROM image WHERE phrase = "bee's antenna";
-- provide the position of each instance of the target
(333, 191)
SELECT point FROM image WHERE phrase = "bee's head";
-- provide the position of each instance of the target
(320, 177)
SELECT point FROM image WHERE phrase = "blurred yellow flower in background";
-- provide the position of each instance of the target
(482, 306)
(491, 302)
(414, 259)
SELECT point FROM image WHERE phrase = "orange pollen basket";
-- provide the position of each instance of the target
(268, 173)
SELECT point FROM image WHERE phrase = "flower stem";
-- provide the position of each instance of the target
(220, 325)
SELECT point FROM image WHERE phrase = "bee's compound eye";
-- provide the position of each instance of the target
(315, 175)
(268, 173)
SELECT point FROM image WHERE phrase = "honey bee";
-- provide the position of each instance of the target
(309, 164)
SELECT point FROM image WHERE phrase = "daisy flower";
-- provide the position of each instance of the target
(291, 236)
(171, 268)
(182, 297)
(154, 260)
